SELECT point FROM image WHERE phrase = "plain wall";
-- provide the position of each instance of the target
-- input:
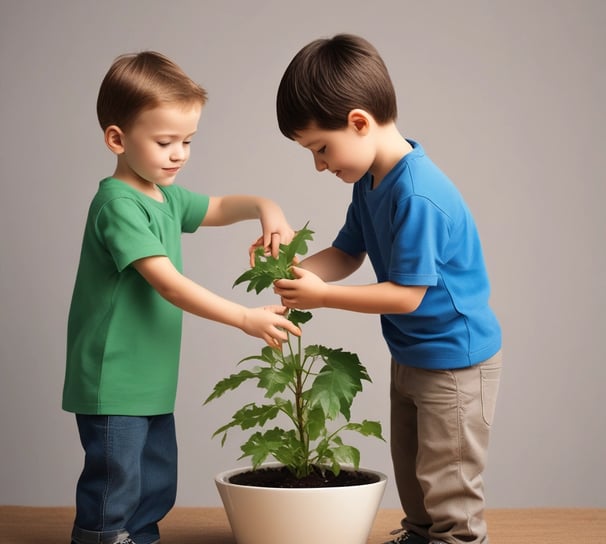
(506, 96)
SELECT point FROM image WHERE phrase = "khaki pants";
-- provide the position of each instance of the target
(440, 425)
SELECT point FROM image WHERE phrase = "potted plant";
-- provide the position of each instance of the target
(314, 492)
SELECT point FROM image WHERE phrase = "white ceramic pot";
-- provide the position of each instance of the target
(263, 515)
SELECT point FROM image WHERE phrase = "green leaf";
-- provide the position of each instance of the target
(299, 317)
(262, 445)
(268, 355)
(268, 269)
(298, 245)
(316, 423)
(346, 455)
(338, 382)
(275, 380)
(292, 454)
(249, 416)
(230, 383)
(367, 428)
(285, 406)
(258, 447)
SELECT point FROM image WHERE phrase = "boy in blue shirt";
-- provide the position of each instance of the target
(336, 99)
(124, 327)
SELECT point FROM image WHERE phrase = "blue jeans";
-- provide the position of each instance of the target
(129, 480)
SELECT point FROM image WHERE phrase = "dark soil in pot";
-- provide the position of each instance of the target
(283, 478)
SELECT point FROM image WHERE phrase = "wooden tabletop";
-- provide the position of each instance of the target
(188, 525)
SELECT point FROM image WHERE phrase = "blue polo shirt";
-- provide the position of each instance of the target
(417, 230)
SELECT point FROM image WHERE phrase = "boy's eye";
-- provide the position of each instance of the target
(187, 142)
(322, 150)
(163, 144)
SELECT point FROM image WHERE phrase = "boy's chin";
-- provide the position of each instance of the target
(349, 179)
(166, 182)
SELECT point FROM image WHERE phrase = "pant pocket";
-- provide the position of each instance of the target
(490, 374)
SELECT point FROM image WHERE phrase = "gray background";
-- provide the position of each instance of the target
(507, 97)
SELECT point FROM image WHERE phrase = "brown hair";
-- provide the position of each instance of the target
(140, 81)
(330, 77)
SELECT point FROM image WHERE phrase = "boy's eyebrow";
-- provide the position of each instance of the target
(175, 134)
(309, 144)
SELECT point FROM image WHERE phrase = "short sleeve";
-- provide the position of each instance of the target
(420, 235)
(351, 238)
(123, 226)
(192, 207)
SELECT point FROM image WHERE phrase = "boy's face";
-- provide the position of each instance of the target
(347, 153)
(157, 146)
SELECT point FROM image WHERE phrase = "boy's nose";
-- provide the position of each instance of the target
(178, 154)
(320, 164)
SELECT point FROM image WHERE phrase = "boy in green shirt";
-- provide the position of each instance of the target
(124, 327)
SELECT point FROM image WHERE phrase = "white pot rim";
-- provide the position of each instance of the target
(222, 478)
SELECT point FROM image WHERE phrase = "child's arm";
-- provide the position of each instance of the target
(310, 289)
(265, 323)
(332, 264)
(225, 210)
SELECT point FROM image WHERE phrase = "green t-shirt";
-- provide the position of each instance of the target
(124, 339)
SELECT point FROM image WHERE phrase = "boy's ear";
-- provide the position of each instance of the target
(360, 120)
(114, 139)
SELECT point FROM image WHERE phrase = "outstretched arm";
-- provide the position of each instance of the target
(332, 264)
(266, 323)
(309, 290)
(225, 210)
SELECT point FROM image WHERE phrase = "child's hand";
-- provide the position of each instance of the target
(269, 324)
(259, 242)
(305, 292)
(276, 231)
(267, 250)
(270, 243)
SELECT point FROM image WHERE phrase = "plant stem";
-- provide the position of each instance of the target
(303, 469)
